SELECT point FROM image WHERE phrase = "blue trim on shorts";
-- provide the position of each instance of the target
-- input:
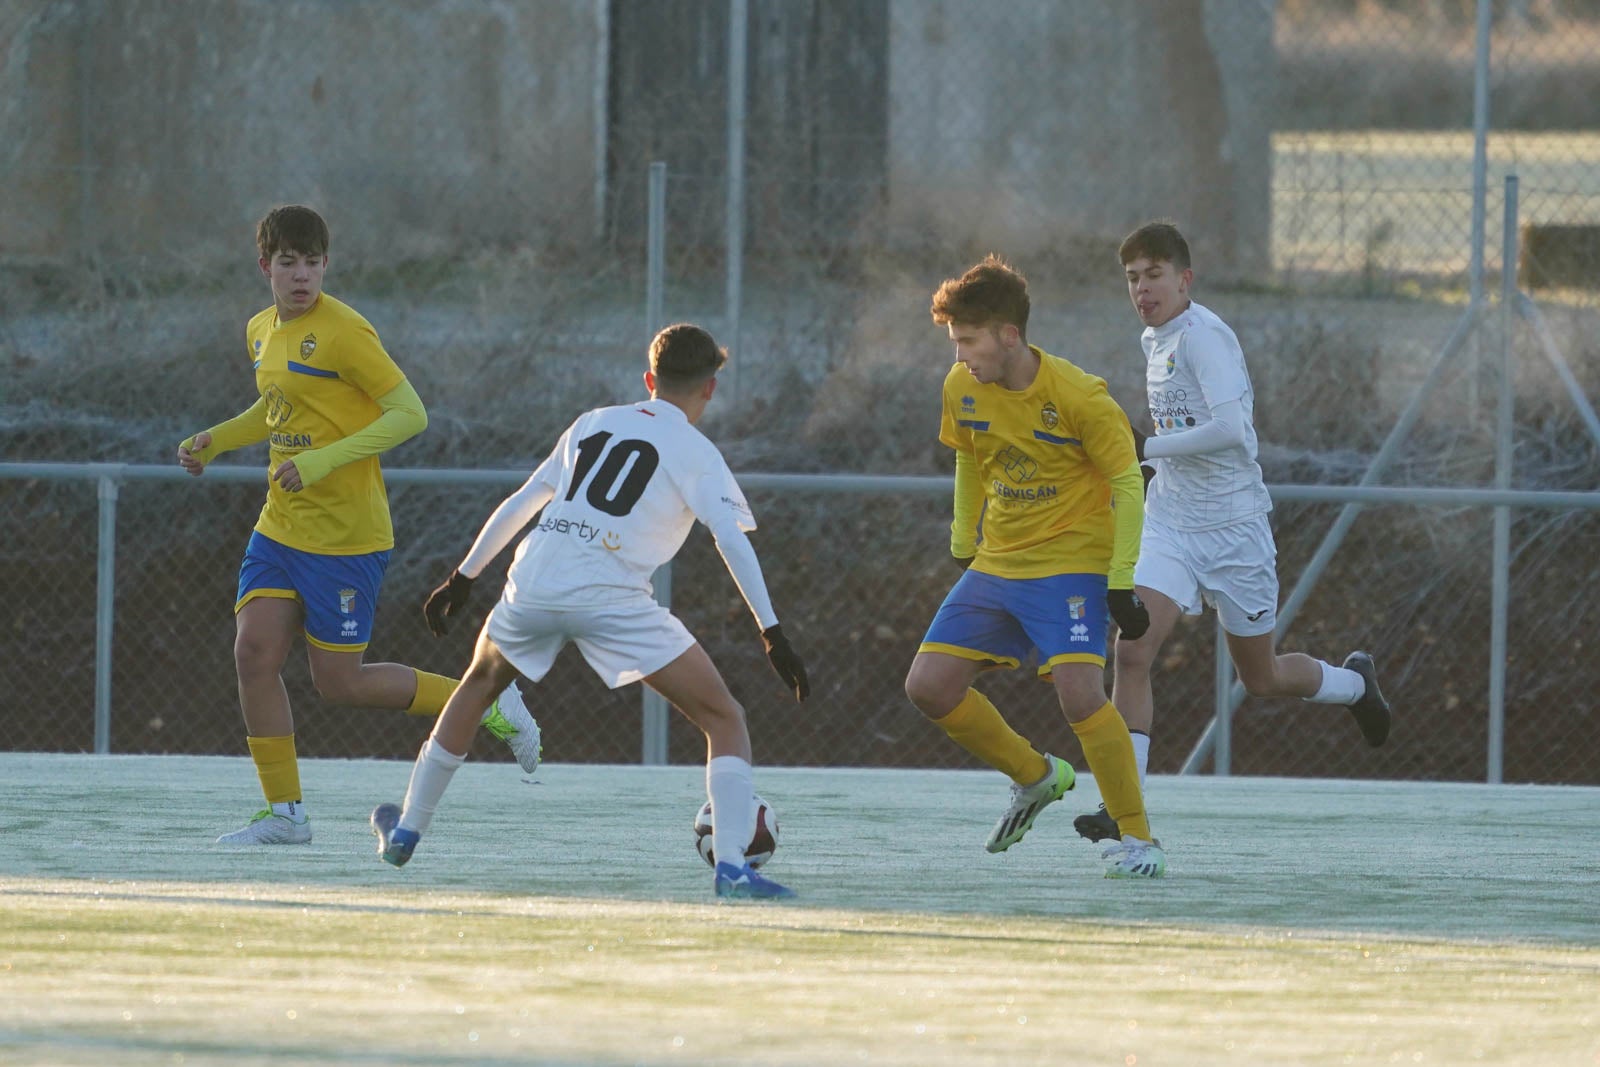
(339, 593)
(1015, 618)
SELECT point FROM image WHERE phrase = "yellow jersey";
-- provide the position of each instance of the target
(1045, 455)
(319, 374)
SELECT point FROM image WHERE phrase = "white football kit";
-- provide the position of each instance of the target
(1206, 536)
(619, 492)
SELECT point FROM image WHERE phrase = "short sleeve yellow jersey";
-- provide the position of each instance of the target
(319, 374)
(1045, 455)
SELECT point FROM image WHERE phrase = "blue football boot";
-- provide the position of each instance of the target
(394, 843)
(744, 883)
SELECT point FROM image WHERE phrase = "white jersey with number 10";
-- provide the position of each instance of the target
(628, 483)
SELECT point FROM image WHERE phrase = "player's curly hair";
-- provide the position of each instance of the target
(1158, 242)
(992, 293)
(292, 228)
(683, 355)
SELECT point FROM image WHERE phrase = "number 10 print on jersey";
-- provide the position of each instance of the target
(627, 483)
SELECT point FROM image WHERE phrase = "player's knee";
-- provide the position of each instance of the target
(253, 656)
(928, 696)
(1135, 657)
(335, 688)
(1259, 682)
(723, 719)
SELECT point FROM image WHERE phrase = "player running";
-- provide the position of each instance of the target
(1048, 502)
(1207, 539)
(619, 493)
(331, 402)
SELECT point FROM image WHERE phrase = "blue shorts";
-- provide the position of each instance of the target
(339, 593)
(1062, 618)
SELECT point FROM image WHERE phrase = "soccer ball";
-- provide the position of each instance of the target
(763, 843)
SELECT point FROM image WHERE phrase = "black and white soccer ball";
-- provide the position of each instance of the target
(763, 843)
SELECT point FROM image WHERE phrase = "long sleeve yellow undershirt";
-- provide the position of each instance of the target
(968, 507)
(403, 418)
(1127, 511)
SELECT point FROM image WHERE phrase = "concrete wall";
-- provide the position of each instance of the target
(420, 126)
(414, 126)
(1019, 125)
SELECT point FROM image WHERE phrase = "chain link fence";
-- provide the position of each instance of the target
(493, 227)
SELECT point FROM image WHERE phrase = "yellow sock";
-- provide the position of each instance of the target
(277, 768)
(1108, 747)
(976, 726)
(433, 691)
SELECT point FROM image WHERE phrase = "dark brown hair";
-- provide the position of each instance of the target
(990, 294)
(292, 228)
(1156, 241)
(684, 355)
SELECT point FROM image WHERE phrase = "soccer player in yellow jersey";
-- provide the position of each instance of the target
(1048, 508)
(331, 401)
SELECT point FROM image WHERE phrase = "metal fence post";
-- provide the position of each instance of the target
(1222, 746)
(1505, 414)
(104, 610)
(653, 711)
(738, 55)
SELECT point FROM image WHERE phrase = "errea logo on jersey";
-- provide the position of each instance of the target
(1079, 632)
(969, 405)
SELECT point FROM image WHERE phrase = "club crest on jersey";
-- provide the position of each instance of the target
(308, 345)
(1049, 415)
(1172, 361)
(1075, 607)
(347, 601)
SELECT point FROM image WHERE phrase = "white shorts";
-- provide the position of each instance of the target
(1233, 568)
(624, 641)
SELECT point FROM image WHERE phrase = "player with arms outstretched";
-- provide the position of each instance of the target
(1207, 538)
(331, 401)
(1047, 513)
(618, 495)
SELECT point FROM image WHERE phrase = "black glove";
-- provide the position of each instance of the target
(446, 600)
(1129, 611)
(964, 561)
(786, 661)
(1138, 443)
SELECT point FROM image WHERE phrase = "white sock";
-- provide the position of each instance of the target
(1339, 686)
(293, 810)
(730, 783)
(1141, 753)
(430, 776)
